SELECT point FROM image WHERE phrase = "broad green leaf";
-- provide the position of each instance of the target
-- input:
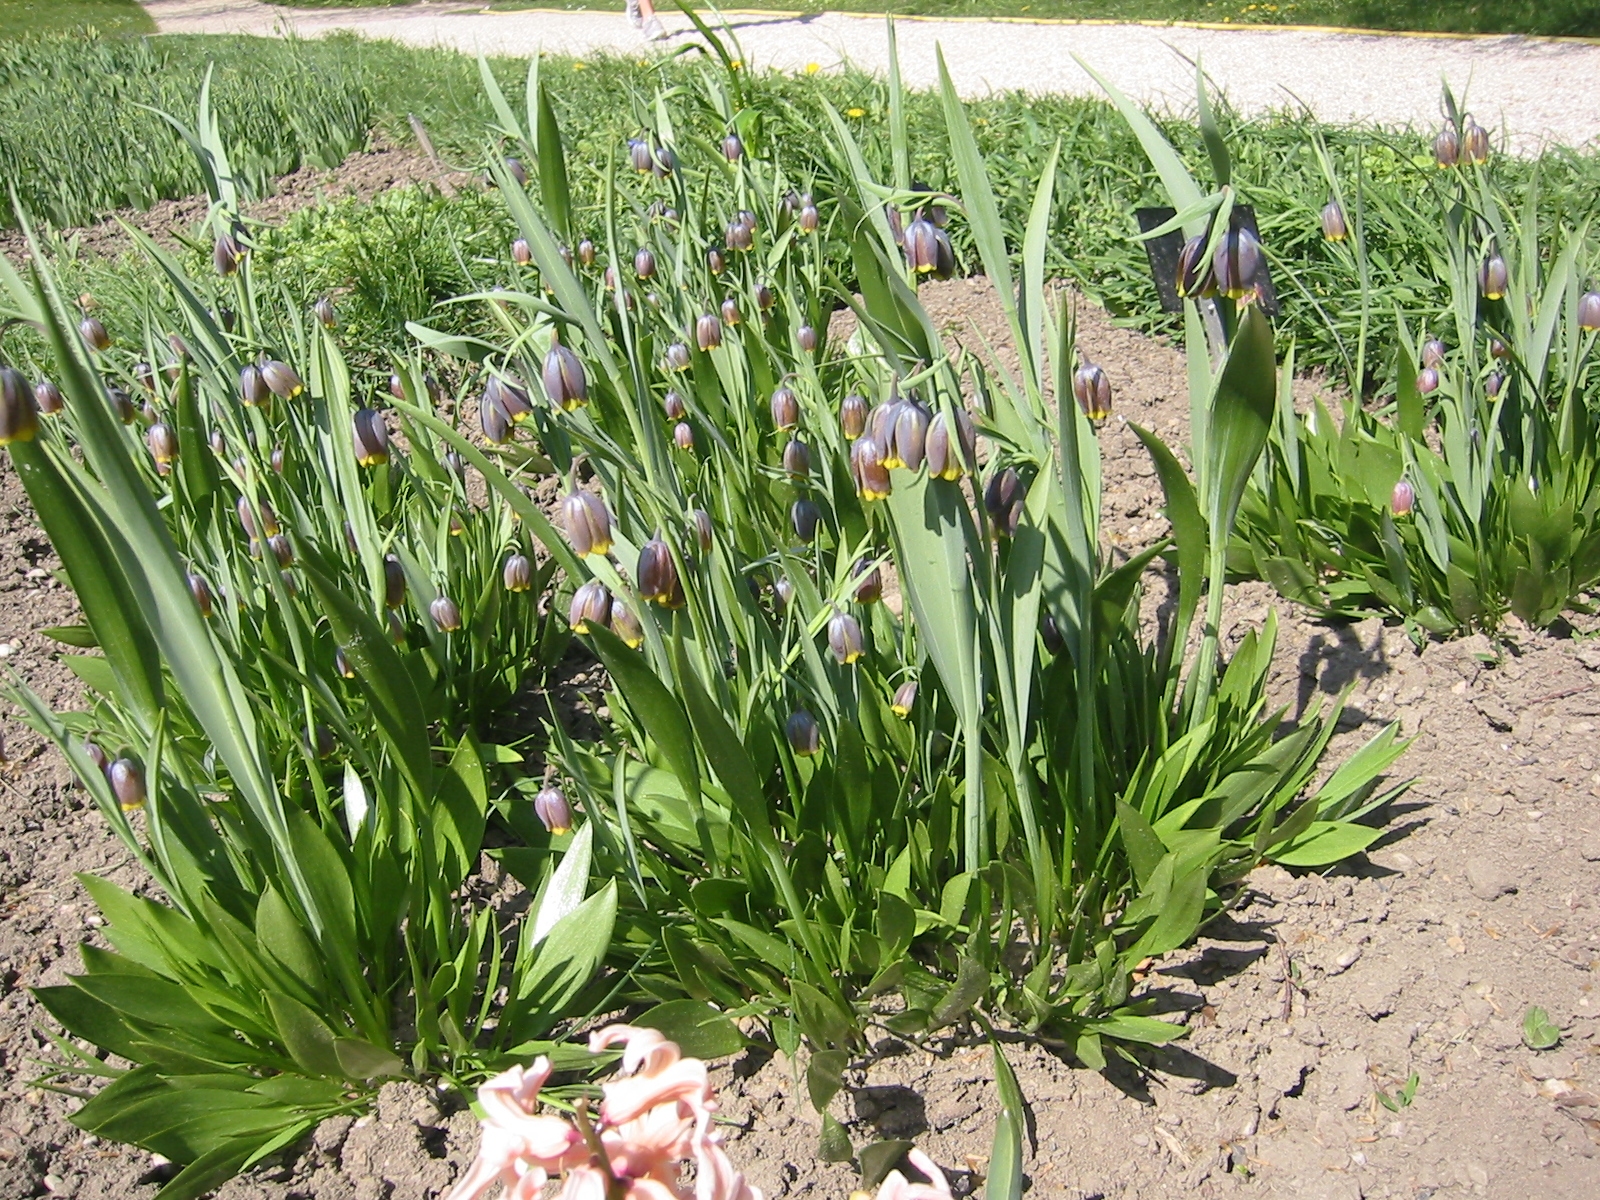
(309, 1040)
(564, 892)
(1325, 842)
(700, 1030)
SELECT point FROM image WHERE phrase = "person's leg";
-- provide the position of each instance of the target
(652, 25)
(634, 17)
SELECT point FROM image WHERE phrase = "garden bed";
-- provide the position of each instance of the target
(1313, 996)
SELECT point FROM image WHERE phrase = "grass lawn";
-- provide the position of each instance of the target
(1552, 17)
(19, 17)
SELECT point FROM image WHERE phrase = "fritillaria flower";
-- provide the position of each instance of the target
(586, 254)
(928, 250)
(19, 408)
(797, 459)
(703, 530)
(739, 235)
(521, 252)
(905, 698)
(947, 461)
(281, 379)
(552, 809)
(785, 408)
(807, 337)
(1195, 276)
(1493, 277)
(907, 436)
(394, 582)
(625, 624)
(1004, 501)
(1093, 391)
(683, 436)
(564, 381)
(1588, 313)
(517, 171)
(868, 469)
(868, 580)
(657, 575)
(225, 254)
(201, 591)
(708, 332)
(845, 638)
(1403, 499)
(1427, 380)
(804, 517)
(672, 404)
(809, 219)
(1333, 223)
(370, 437)
(325, 313)
(253, 389)
(732, 148)
(805, 738)
(1236, 264)
(588, 523)
(730, 312)
(644, 263)
(639, 154)
(1447, 147)
(445, 613)
(1474, 142)
(127, 783)
(677, 357)
(1433, 352)
(518, 573)
(163, 445)
(853, 416)
(48, 397)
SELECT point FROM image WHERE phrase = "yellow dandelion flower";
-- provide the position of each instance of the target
(737, 64)
(855, 112)
(812, 68)
(580, 66)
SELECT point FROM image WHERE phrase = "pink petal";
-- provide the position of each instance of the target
(584, 1183)
(684, 1082)
(716, 1178)
(646, 1047)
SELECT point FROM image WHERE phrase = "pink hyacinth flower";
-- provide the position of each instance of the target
(520, 1148)
(655, 1074)
(897, 1187)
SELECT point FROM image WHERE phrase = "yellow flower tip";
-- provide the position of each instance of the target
(900, 711)
(737, 64)
(892, 460)
(855, 112)
(22, 435)
(873, 494)
(132, 807)
(601, 547)
(812, 68)
(573, 405)
(633, 642)
(580, 66)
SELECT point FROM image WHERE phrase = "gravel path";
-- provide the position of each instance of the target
(1536, 91)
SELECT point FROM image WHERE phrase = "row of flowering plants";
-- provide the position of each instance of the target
(887, 750)
(297, 635)
(1473, 491)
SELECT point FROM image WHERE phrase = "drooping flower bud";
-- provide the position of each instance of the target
(127, 783)
(1428, 380)
(48, 397)
(1195, 276)
(782, 594)
(508, 395)
(639, 154)
(730, 312)
(163, 444)
(260, 521)
(94, 333)
(868, 580)
(1050, 634)
(518, 573)
(586, 254)
(657, 575)
(806, 336)
(282, 549)
(397, 628)
(1403, 499)
(703, 530)
(521, 252)
(644, 263)
(845, 638)
(732, 148)
(853, 416)
(1433, 352)
(809, 219)
(672, 404)
(19, 410)
(1447, 147)
(218, 443)
(564, 380)
(587, 522)
(121, 404)
(1493, 384)
(552, 809)
(492, 418)
(445, 614)
(739, 235)
(341, 664)
(1333, 223)
(1092, 390)
(868, 470)
(708, 332)
(797, 459)
(149, 414)
(1004, 501)
(201, 591)
(1474, 142)
(715, 263)
(145, 376)
(678, 357)
(281, 379)
(663, 162)
(326, 314)
(1237, 263)
(908, 438)
(905, 699)
(765, 297)
(946, 460)
(805, 738)
(785, 408)
(626, 625)
(1493, 277)
(1588, 314)
(804, 516)
(683, 436)
(225, 254)
(394, 582)
(253, 390)
(922, 246)
(590, 607)
(371, 437)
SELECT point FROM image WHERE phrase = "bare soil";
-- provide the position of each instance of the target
(1318, 992)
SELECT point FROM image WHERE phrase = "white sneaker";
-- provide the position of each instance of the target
(653, 31)
(634, 18)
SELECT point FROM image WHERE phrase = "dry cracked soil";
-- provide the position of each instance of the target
(1315, 997)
